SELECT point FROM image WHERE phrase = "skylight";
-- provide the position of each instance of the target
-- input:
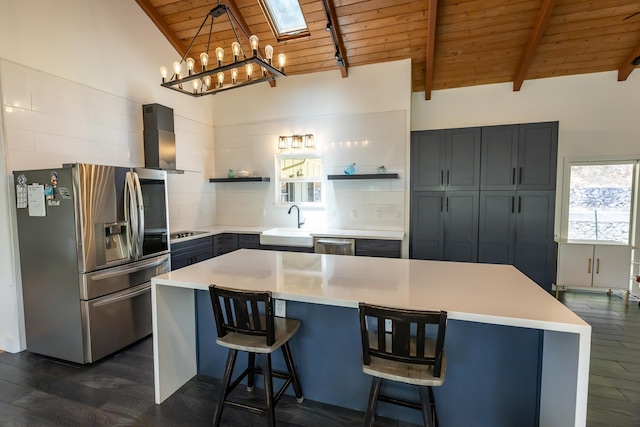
(285, 18)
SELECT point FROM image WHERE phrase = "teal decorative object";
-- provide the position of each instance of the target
(231, 174)
(350, 169)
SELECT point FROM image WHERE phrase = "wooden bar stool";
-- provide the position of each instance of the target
(245, 322)
(407, 352)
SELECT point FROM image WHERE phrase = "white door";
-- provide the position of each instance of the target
(612, 266)
(575, 265)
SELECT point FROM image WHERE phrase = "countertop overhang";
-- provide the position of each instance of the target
(486, 293)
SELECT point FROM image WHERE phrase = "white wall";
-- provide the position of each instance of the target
(358, 119)
(73, 77)
(598, 115)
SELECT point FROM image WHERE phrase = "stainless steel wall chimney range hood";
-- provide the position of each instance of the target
(159, 138)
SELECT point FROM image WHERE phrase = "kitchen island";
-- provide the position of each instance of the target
(515, 355)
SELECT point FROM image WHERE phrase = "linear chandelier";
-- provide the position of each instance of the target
(213, 80)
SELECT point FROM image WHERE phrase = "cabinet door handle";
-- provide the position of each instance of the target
(519, 204)
(513, 203)
(597, 265)
(441, 204)
(589, 266)
(447, 203)
(513, 176)
(447, 177)
(519, 176)
(442, 177)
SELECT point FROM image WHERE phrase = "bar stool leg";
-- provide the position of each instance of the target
(251, 365)
(226, 379)
(434, 414)
(288, 358)
(268, 390)
(373, 401)
(425, 405)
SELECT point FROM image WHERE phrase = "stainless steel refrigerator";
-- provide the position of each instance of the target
(91, 237)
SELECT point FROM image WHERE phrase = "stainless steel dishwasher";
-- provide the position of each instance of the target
(335, 246)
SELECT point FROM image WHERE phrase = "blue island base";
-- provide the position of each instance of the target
(492, 377)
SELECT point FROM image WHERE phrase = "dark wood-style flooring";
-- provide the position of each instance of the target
(118, 391)
(614, 379)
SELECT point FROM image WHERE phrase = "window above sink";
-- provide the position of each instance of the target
(299, 179)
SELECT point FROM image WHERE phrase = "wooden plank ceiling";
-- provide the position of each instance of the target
(475, 41)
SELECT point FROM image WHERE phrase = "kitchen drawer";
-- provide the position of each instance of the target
(249, 241)
(191, 252)
(378, 248)
(224, 243)
(225, 238)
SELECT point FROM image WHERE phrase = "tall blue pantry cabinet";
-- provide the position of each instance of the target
(504, 215)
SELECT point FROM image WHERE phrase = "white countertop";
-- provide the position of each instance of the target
(329, 232)
(486, 293)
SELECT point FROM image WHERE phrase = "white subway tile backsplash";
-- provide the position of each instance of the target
(20, 140)
(39, 122)
(46, 143)
(50, 121)
(369, 140)
(16, 96)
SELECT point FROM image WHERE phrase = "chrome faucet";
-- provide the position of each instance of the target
(300, 224)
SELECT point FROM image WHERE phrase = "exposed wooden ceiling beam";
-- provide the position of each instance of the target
(534, 40)
(431, 48)
(627, 67)
(337, 37)
(157, 19)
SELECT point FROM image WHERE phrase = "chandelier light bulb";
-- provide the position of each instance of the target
(207, 82)
(220, 79)
(282, 58)
(235, 47)
(253, 40)
(220, 55)
(268, 51)
(204, 60)
(164, 72)
(190, 64)
(177, 69)
(234, 75)
(249, 71)
(196, 83)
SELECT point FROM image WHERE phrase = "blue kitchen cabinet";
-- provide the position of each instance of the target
(522, 157)
(448, 159)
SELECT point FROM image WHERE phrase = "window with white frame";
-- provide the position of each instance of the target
(299, 179)
(600, 201)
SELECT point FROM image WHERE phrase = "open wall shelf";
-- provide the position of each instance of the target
(364, 176)
(248, 179)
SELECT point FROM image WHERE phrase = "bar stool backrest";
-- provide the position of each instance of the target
(408, 341)
(243, 312)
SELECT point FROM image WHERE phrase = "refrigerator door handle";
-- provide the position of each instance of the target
(128, 270)
(141, 289)
(140, 212)
(131, 216)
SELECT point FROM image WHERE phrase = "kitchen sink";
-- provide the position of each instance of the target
(285, 236)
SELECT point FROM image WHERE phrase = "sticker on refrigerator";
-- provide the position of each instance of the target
(51, 190)
(64, 192)
(35, 199)
(21, 192)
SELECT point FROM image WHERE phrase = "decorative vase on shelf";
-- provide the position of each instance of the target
(230, 174)
(381, 170)
(350, 169)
